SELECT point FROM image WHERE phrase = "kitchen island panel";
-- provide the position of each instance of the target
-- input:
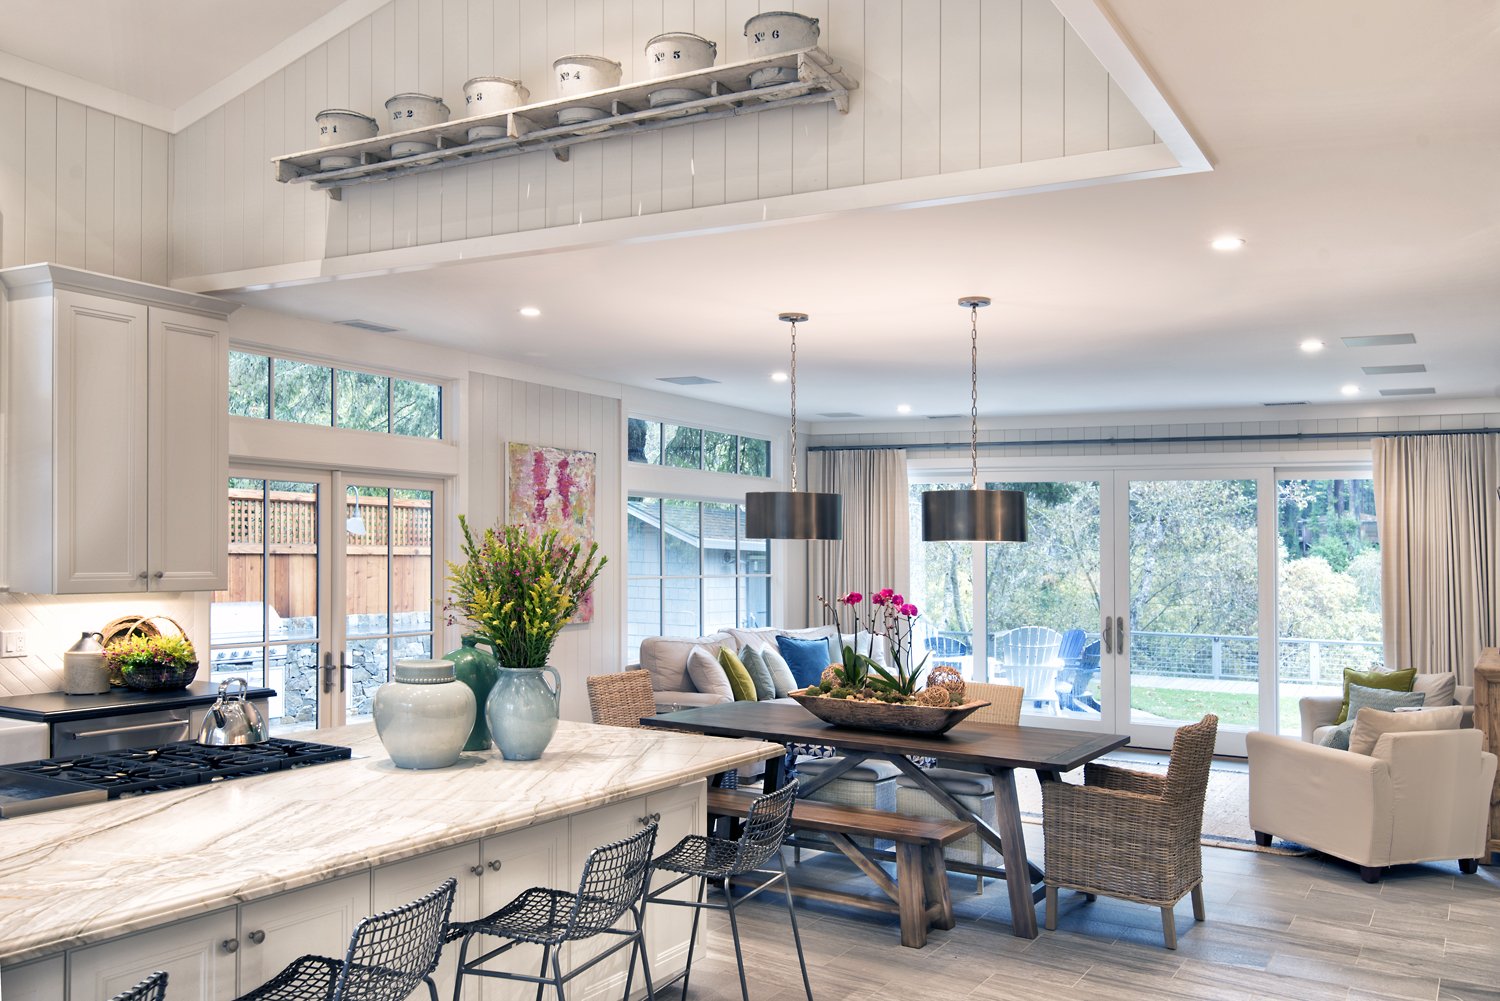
(200, 957)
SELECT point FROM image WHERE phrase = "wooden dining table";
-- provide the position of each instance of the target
(990, 749)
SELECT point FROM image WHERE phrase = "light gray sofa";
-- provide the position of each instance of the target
(1319, 711)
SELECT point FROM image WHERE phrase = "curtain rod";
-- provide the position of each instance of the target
(925, 446)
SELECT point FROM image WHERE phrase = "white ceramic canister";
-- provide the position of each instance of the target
(778, 31)
(678, 52)
(581, 74)
(84, 669)
(337, 125)
(486, 95)
(423, 715)
(414, 111)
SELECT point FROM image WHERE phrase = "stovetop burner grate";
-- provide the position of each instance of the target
(180, 766)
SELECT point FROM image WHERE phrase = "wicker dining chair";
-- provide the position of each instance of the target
(1004, 701)
(622, 698)
(153, 988)
(390, 955)
(1133, 835)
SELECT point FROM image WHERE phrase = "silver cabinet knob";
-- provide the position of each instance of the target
(648, 819)
(159, 574)
(141, 575)
(477, 870)
(494, 864)
(256, 937)
(230, 945)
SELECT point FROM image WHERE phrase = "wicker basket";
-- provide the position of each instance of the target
(885, 717)
(143, 625)
(162, 677)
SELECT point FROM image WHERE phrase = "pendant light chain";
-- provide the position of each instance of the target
(793, 379)
(974, 396)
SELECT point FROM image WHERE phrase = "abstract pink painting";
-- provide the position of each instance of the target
(553, 488)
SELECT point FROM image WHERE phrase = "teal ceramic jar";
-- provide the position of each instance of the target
(523, 711)
(476, 668)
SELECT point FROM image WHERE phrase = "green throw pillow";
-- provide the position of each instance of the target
(754, 663)
(1360, 697)
(739, 678)
(1391, 681)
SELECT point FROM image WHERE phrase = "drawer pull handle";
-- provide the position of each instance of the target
(495, 864)
(256, 937)
(230, 945)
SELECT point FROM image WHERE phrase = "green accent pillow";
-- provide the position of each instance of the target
(739, 678)
(754, 663)
(1391, 681)
(1360, 697)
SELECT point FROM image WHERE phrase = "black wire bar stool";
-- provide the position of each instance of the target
(721, 860)
(615, 880)
(153, 988)
(390, 955)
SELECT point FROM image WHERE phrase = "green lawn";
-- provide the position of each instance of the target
(1232, 708)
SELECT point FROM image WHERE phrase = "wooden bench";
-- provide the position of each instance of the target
(919, 894)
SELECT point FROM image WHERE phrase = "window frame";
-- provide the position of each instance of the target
(444, 388)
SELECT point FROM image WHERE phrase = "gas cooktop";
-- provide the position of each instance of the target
(56, 782)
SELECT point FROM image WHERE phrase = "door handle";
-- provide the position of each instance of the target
(344, 670)
(328, 670)
(1109, 646)
(1120, 632)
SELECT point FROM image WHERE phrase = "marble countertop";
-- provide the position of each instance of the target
(76, 876)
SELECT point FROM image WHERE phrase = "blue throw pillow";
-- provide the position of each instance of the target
(807, 658)
(1361, 697)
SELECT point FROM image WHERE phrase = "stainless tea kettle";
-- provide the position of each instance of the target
(233, 721)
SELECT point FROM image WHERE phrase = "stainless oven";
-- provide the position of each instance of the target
(116, 733)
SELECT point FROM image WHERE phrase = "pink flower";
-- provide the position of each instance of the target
(909, 610)
(881, 597)
(852, 598)
(897, 600)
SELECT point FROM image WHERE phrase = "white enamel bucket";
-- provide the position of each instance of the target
(780, 31)
(678, 52)
(338, 125)
(414, 111)
(485, 95)
(585, 74)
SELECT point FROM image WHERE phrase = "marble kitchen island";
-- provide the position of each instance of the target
(224, 884)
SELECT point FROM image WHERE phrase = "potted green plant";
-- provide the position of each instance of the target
(518, 588)
(153, 663)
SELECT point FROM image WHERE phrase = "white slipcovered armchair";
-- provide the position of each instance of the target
(1417, 797)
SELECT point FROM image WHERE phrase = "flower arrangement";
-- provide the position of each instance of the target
(861, 678)
(151, 663)
(519, 587)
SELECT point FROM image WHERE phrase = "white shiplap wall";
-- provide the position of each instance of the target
(81, 187)
(507, 410)
(945, 86)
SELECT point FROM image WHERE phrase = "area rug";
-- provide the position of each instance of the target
(1226, 808)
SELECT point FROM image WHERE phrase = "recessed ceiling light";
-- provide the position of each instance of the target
(778, 377)
(1228, 243)
(1312, 345)
(529, 311)
(903, 408)
(1349, 389)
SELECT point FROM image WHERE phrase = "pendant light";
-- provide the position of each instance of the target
(973, 515)
(793, 514)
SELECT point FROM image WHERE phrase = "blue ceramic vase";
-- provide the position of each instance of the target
(522, 711)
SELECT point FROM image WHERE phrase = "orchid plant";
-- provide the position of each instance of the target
(892, 617)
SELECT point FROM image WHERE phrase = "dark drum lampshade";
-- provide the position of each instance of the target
(794, 514)
(973, 516)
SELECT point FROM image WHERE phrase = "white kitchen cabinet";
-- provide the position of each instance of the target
(402, 882)
(199, 956)
(314, 921)
(681, 811)
(39, 981)
(117, 434)
(514, 862)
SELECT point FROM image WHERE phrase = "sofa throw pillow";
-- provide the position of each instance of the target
(666, 658)
(1360, 697)
(1394, 681)
(1440, 689)
(806, 658)
(781, 671)
(765, 688)
(1370, 724)
(828, 633)
(706, 675)
(739, 678)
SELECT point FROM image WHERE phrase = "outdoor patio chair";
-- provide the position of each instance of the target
(1028, 659)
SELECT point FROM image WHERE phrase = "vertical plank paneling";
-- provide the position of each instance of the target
(314, 203)
(408, 78)
(505, 181)
(99, 193)
(387, 62)
(810, 125)
(588, 160)
(429, 33)
(255, 172)
(128, 199)
(959, 86)
(273, 212)
(455, 63)
(536, 64)
(156, 165)
(881, 89)
(339, 84)
(921, 84)
(618, 153)
(194, 140)
(13, 174)
(645, 152)
(708, 138)
(293, 196)
(844, 39)
(1085, 98)
(1126, 126)
(232, 254)
(1042, 30)
(72, 137)
(1000, 83)
(676, 144)
(561, 41)
(480, 178)
(741, 134)
(210, 194)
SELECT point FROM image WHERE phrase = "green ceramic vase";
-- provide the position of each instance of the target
(478, 669)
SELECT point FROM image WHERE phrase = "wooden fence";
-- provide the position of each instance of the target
(282, 527)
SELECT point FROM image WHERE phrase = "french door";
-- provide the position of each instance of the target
(332, 578)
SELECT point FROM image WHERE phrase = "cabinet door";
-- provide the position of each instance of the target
(402, 882)
(589, 831)
(315, 921)
(187, 531)
(683, 811)
(198, 955)
(100, 449)
(38, 981)
(514, 862)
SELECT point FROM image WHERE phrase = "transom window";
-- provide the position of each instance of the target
(300, 392)
(657, 444)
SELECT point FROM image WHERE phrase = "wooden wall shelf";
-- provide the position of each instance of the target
(533, 127)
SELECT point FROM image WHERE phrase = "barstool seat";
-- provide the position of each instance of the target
(153, 988)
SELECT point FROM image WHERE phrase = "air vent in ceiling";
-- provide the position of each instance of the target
(1379, 340)
(1394, 369)
(944, 417)
(688, 380)
(1414, 391)
(1286, 403)
(374, 328)
(840, 413)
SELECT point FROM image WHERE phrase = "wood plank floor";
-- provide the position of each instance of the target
(1278, 927)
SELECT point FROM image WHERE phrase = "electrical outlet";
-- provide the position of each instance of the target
(13, 643)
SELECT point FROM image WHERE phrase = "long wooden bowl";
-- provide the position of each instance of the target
(884, 717)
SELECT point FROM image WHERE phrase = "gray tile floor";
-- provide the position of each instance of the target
(1278, 927)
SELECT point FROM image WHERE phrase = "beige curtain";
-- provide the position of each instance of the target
(876, 549)
(1439, 521)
